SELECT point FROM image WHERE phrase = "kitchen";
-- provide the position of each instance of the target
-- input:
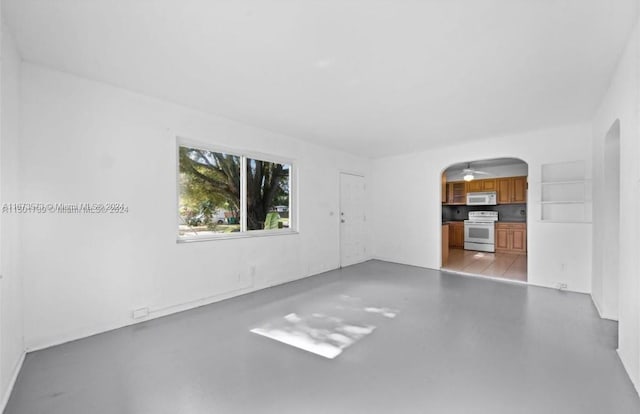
(484, 218)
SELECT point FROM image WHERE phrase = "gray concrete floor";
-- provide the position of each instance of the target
(458, 345)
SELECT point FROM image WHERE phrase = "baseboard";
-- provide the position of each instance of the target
(158, 312)
(154, 313)
(595, 305)
(12, 382)
(635, 385)
(395, 261)
(601, 314)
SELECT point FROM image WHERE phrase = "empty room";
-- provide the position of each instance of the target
(319, 206)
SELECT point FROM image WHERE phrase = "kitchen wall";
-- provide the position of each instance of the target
(85, 141)
(506, 212)
(617, 293)
(11, 283)
(557, 252)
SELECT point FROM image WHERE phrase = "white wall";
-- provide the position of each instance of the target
(85, 141)
(409, 186)
(11, 293)
(620, 103)
(88, 142)
(609, 239)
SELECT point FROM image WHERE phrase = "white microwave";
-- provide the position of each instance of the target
(488, 198)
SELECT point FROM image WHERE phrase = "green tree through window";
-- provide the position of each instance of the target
(210, 191)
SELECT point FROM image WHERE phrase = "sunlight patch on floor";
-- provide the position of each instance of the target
(328, 331)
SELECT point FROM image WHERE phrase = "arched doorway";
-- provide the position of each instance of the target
(484, 216)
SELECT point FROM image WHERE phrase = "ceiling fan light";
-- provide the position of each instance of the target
(468, 177)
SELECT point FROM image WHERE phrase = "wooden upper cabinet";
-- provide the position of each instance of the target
(512, 190)
(519, 193)
(489, 185)
(504, 190)
(481, 185)
(457, 193)
(444, 188)
(475, 185)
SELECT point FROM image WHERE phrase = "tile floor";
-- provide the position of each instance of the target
(501, 265)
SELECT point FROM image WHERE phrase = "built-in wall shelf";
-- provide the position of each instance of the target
(565, 193)
(565, 222)
(562, 182)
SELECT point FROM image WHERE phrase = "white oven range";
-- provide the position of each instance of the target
(479, 231)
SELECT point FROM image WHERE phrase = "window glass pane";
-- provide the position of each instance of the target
(268, 191)
(209, 192)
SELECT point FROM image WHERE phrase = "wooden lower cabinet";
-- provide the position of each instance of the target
(511, 238)
(519, 239)
(456, 234)
(445, 244)
(502, 238)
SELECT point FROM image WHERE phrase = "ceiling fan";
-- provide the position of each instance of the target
(470, 173)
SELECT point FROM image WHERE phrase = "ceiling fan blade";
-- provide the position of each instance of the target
(481, 172)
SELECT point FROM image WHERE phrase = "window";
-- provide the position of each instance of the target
(226, 194)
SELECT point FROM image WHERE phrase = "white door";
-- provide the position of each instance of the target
(352, 219)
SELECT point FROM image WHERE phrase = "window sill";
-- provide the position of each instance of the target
(238, 235)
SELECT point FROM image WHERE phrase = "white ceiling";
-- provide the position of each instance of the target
(371, 77)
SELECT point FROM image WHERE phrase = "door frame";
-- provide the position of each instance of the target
(340, 174)
(610, 289)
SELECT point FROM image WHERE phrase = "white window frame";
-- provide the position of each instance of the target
(244, 155)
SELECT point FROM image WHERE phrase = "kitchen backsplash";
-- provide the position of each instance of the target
(506, 212)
